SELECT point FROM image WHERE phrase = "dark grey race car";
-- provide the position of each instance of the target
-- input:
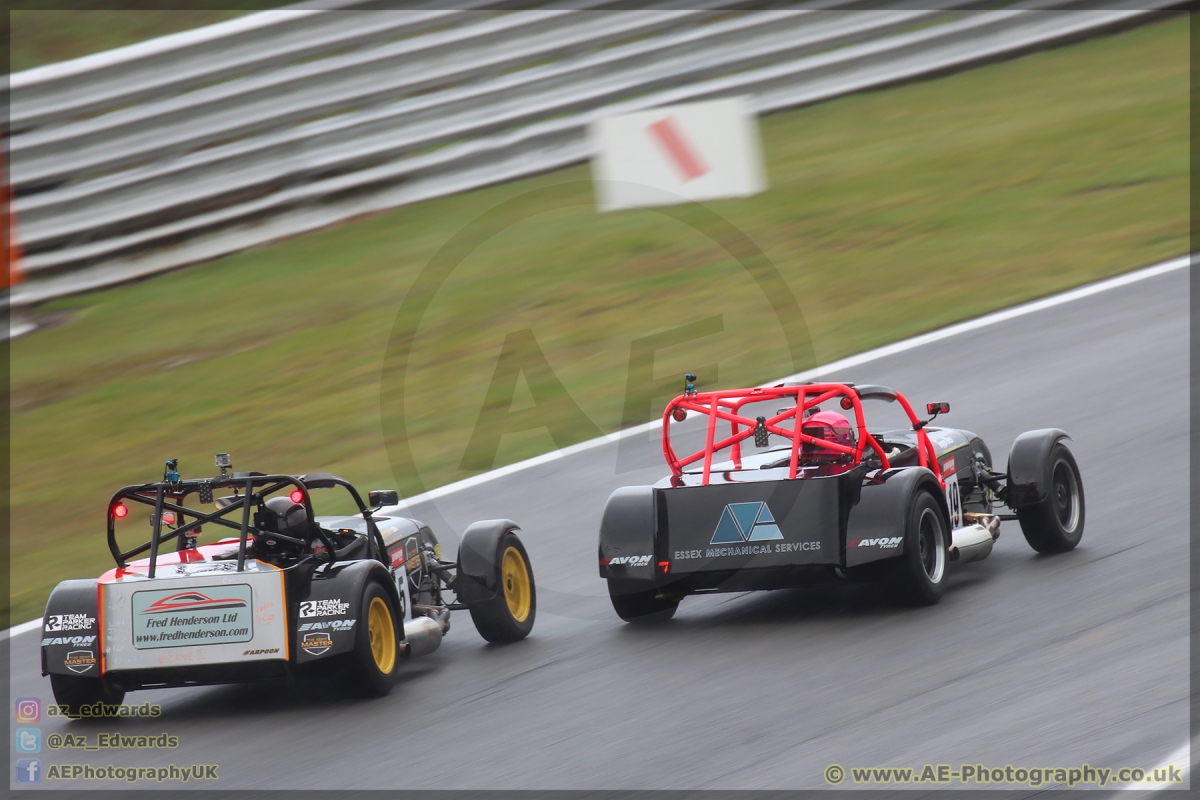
(834, 501)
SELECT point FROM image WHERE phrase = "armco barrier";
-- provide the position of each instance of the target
(200, 144)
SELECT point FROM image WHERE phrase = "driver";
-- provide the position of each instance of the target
(829, 426)
(280, 515)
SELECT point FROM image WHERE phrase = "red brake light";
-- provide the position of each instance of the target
(169, 517)
(120, 511)
(847, 403)
(297, 496)
(679, 415)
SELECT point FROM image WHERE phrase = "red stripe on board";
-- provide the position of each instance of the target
(679, 151)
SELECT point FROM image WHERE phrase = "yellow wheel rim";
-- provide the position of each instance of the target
(382, 634)
(515, 577)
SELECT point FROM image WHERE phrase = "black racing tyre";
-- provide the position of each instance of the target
(375, 657)
(918, 576)
(646, 606)
(1055, 525)
(508, 615)
(74, 692)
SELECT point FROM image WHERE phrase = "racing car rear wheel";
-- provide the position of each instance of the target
(375, 648)
(74, 692)
(508, 615)
(644, 606)
(918, 576)
(1055, 525)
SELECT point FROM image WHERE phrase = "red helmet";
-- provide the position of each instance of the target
(832, 427)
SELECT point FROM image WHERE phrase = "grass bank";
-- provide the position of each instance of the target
(889, 213)
(40, 37)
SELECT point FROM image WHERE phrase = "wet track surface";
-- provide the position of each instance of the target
(1028, 660)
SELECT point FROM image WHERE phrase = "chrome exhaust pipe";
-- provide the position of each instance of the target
(989, 521)
(971, 543)
(439, 614)
(421, 637)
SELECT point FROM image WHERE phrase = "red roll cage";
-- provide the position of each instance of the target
(725, 405)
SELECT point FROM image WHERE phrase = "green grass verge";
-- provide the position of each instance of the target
(39, 37)
(889, 214)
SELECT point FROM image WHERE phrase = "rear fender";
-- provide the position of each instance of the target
(328, 610)
(875, 529)
(627, 535)
(1029, 466)
(478, 554)
(70, 630)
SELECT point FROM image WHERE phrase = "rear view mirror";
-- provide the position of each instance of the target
(383, 497)
(937, 408)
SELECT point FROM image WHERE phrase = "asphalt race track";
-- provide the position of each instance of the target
(1048, 661)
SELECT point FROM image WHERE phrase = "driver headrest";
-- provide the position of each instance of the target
(284, 516)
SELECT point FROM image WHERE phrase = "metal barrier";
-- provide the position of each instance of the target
(200, 144)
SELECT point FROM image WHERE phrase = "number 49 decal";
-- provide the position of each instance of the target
(954, 500)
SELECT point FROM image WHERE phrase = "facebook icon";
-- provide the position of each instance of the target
(29, 770)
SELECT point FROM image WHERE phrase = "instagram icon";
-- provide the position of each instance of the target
(29, 709)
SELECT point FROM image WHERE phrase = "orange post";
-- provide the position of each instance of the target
(13, 273)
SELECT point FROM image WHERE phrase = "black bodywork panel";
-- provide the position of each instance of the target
(478, 553)
(733, 536)
(749, 525)
(1029, 466)
(875, 529)
(325, 611)
(70, 630)
(627, 534)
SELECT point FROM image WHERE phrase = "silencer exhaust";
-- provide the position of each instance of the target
(972, 543)
(421, 637)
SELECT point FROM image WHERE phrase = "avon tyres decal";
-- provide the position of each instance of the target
(203, 615)
(889, 542)
(761, 524)
(327, 625)
(51, 641)
(631, 561)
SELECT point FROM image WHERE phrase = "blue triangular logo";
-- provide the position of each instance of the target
(727, 530)
(745, 514)
(741, 522)
(763, 533)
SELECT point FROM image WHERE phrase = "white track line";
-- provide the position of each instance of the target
(24, 627)
(871, 355)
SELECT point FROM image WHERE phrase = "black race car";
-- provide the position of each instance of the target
(290, 594)
(833, 501)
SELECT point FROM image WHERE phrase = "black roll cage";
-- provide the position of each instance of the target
(167, 496)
